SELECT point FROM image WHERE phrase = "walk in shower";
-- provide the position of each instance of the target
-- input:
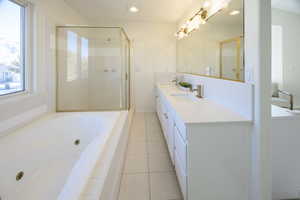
(93, 69)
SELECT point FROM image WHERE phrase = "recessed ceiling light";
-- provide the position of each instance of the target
(133, 9)
(234, 12)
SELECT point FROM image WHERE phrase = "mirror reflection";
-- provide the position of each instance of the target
(216, 48)
(285, 55)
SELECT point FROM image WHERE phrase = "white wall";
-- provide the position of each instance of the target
(236, 96)
(290, 24)
(47, 14)
(154, 52)
(277, 55)
(258, 72)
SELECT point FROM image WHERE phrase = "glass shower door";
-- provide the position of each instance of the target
(91, 74)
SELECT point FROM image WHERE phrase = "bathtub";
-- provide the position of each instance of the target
(54, 157)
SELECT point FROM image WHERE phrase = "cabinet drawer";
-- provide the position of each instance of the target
(180, 148)
(181, 177)
(171, 137)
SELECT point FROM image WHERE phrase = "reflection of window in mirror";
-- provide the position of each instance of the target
(285, 53)
(231, 59)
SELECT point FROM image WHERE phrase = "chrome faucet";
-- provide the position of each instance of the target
(199, 90)
(175, 80)
(291, 96)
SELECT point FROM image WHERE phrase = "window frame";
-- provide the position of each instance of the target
(26, 51)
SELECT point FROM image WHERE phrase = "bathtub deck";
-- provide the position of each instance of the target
(148, 173)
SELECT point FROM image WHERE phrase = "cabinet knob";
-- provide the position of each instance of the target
(166, 116)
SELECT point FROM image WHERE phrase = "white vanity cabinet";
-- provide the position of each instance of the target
(167, 124)
(174, 138)
(180, 160)
(211, 155)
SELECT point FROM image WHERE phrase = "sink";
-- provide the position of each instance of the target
(181, 95)
(184, 97)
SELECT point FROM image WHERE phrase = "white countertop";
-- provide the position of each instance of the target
(197, 110)
(283, 113)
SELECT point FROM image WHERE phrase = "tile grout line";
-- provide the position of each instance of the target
(134, 173)
(147, 155)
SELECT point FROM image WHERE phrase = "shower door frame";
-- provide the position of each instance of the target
(127, 74)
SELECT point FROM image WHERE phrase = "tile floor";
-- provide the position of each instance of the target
(148, 173)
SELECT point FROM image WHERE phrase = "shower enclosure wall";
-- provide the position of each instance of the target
(93, 67)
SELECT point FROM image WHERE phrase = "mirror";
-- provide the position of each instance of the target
(285, 54)
(215, 49)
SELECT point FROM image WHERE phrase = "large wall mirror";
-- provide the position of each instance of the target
(285, 54)
(216, 48)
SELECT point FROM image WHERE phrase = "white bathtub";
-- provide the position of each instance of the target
(54, 166)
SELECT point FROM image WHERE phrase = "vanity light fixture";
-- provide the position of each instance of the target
(234, 12)
(133, 9)
(192, 24)
(208, 9)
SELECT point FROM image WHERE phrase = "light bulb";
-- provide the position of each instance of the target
(195, 23)
(181, 35)
(133, 9)
(234, 12)
(202, 21)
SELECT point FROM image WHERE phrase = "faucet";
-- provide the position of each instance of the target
(175, 80)
(199, 90)
(291, 96)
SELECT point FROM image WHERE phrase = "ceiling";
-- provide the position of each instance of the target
(287, 5)
(166, 11)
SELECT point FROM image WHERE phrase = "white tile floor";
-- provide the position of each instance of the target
(148, 173)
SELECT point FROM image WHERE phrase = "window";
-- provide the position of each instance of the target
(12, 47)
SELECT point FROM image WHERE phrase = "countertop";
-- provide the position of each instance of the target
(283, 113)
(194, 110)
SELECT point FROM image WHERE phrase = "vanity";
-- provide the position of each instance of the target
(285, 147)
(209, 145)
(209, 139)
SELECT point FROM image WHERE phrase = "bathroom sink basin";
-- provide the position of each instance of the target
(184, 97)
(181, 95)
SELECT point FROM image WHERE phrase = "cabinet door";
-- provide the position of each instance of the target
(171, 137)
(157, 102)
(181, 176)
(158, 109)
(180, 149)
(164, 120)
